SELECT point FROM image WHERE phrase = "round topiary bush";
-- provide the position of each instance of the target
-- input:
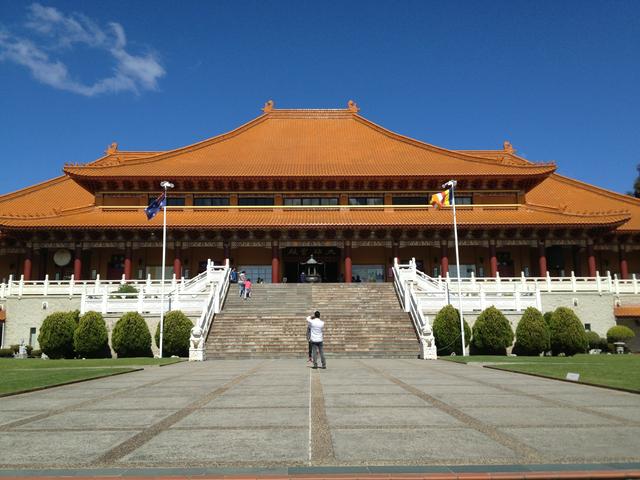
(127, 288)
(619, 333)
(532, 333)
(446, 330)
(567, 332)
(56, 335)
(131, 336)
(596, 341)
(492, 332)
(91, 339)
(175, 338)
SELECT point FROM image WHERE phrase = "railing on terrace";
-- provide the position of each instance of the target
(72, 287)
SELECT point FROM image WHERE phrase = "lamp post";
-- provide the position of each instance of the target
(452, 184)
(166, 185)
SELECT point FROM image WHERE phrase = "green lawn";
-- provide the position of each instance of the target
(32, 373)
(620, 371)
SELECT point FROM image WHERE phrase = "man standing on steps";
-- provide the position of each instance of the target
(316, 326)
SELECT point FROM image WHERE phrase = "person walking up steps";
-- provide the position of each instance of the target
(241, 279)
(316, 326)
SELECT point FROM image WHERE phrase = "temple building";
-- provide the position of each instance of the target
(328, 183)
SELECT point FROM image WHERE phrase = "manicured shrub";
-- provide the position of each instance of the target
(446, 330)
(175, 338)
(91, 339)
(35, 353)
(6, 352)
(532, 333)
(131, 336)
(596, 341)
(16, 348)
(492, 332)
(567, 332)
(619, 333)
(56, 335)
(127, 288)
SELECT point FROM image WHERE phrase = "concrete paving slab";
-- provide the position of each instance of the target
(288, 446)
(588, 444)
(366, 400)
(424, 445)
(102, 419)
(362, 388)
(503, 400)
(40, 448)
(460, 390)
(246, 418)
(385, 416)
(297, 399)
(534, 416)
(153, 403)
(39, 402)
(630, 413)
(605, 399)
(11, 415)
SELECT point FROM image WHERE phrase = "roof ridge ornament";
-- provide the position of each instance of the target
(268, 107)
(353, 106)
(111, 149)
(508, 147)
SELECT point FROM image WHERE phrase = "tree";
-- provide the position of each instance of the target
(91, 339)
(56, 335)
(175, 338)
(131, 336)
(492, 332)
(446, 330)
(532, 333)
(567, 332)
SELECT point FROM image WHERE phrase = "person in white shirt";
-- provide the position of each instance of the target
(316, 326)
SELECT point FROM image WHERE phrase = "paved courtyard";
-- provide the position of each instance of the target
(280, 413)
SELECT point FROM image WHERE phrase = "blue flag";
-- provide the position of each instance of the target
(155, 206)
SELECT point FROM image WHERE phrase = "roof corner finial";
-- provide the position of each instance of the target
(268, 106)
(352, 106)
(111, 149)
(508, 147)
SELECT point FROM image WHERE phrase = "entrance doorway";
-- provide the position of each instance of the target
(328, 259)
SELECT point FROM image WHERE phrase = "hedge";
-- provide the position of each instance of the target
(532, 333)
(56, 334)
(175, 337)
(619, 333)
(567, 332)
(131, 336)
(91, 339)
(446, 330)
(492, 332)
(596, 341)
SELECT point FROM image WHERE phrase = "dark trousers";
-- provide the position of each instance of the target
(310, 349)
(317, 347)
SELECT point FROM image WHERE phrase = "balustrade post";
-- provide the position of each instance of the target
(46, 285)
(10, 286)
(548, 280)
(498, 279)
(2, 290)
(573, 282)
(148, 280)
(123, 280)
(182, 283)
(72, 282)
(105, 297)
(598, 282)
(140, 300)
(616, 283)
(635, 283)
(609, 281)
(473, 278)
(97, 284)
(21, 286)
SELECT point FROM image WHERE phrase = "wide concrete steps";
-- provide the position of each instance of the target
(361, 320)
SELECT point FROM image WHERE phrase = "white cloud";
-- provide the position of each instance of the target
(53, 33)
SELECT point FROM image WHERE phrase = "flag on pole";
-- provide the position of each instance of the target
(442, 199)
(155, 206)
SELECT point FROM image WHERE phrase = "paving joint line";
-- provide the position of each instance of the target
(139, 439)
(504, 439)
(321, 444)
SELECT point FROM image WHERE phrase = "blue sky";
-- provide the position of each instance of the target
(559, 79)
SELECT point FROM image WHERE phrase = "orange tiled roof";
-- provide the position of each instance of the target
(499, 216)
(627, 311)
(294, 143)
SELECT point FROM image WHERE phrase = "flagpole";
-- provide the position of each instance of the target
(166, 185)
(453, 184)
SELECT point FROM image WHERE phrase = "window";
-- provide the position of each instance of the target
(255, 272)
(211, 201)
(171, 201)
(409, 201)
(255, 201)
(464, 200)
(32, 337)
(365, 200)
(368, 273)
(587, 327)
(311, 201)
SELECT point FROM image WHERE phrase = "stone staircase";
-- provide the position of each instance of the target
(361, 320)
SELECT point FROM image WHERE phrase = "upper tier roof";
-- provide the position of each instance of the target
(309, 143)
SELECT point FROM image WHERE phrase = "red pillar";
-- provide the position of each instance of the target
(347, 262)
(624, 267)
(177, 262)
(127, 263)
(26, 270)
(591, 259)
(444, 259)
(542, 259)
(77, 264)
(493, 259)
(275, 263)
